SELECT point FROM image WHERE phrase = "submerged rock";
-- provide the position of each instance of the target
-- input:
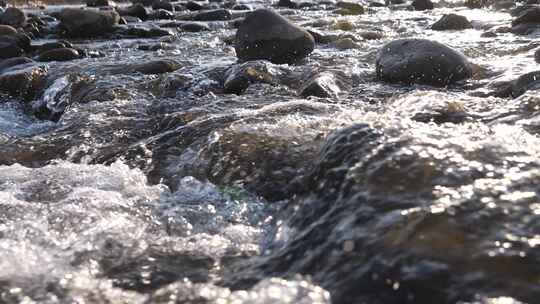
(421, 61)
(59, 54)
(451, 22)
(79, 23)
(265, 34)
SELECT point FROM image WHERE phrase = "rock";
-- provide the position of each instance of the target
(11, 62)
(242, 7)
(194, 27)
(53, 45)
(143, 2)
(7, 30)
(537, 56)
(23, 79)
(161, 14)
(265, 34)
(349, 8)
(147, 68)
(14, 17)
(526, 82)
(322, 85)
(213, 15)
(240, 77)
(451, 22)
(422, 5)
(79, 23)
(137, 10)
(322, 38)
(193, 6)
(343, 25)
(421, 61)
(163, 4)
(527, 17)
(287, 4)
(345, 43)
(371, 35)
(99, 3)
(61, 54)
(9, 47)
(3, 4)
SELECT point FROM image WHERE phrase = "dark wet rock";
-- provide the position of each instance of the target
(241, 7)
(143, 2)
(141, 32)
(161, 14)
(136, 10)
(240, 77)
(14, 17)
(213, 15)
(349, 8)
(61, 54)
(537, 56)
(79, 23)
(422, 5)
(9, 47)
(22, 78)
(99, 3)
(156, 268)
(163, 4)
(147, 68)
(527, 21)
(193, 27)
(526, 82)
(324, 85)
(371, 35)
(451, 22)
(152, 47)
(53, 45)
(7, 30)
(489, 35)
(531, 15)
(194, 6)
(266, 35)
(11, 62)
(3, 4)
(421, 61)
(374, 200)
(287, 4)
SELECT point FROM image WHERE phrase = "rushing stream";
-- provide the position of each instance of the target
(123, 185)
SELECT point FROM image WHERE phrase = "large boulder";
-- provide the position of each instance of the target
(452, 22)
(265, 34)
(79, 23)
(421, 61)
(14, 17)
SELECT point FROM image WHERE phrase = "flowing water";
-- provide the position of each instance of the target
(162, 189)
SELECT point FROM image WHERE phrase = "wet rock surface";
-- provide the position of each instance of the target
(355, 155)
(421, 61)
(265, 34)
